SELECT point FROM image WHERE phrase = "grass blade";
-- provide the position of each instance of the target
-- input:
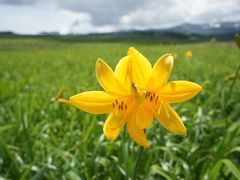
(9, 160)
(40, 174)
(235, 171)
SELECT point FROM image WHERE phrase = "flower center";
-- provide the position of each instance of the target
(151, 96)
(153, 100)
(121, 110)
(119, 105)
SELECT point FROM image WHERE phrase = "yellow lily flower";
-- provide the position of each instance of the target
(134, 93)
(188, 54)
(175, 55)
(119, 100)
(158, 94)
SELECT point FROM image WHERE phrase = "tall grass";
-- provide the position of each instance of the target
(41, 139)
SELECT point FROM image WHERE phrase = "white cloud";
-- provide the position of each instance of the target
(80, 22)
(31, 19)
(156, 15)
(42, 18)
(75, 19)
(73, 16)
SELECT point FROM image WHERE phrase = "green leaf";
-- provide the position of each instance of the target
(73, 175)
(235, 149)
(232, 168)
(6, 127)
(237, 40)
(219, 123)
(40, 174)
(156, 169)
(9, 160)
(102, 161)
(123, 172)
(215, 170)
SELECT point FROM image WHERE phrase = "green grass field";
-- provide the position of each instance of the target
(41, 139)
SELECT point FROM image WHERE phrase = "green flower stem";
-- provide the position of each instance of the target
(229, 94)
(233, 82)
(135, 171)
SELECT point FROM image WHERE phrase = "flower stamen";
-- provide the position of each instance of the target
(119, 106)
(154, 101)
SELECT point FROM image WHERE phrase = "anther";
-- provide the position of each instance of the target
(121, 107)
(113, 104)
(116, 102)
(151, 98)
(125, 107)
(147, 94)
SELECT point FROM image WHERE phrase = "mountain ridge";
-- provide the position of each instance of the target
(189, 31)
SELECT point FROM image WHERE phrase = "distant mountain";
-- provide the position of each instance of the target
(183, 32)
(7, 34)
(212, 29)
(187, 31)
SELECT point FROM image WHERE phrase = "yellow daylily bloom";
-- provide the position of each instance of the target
(175, 55)
(188, 54)
(120, 99)
(158, 94)
(135, 93)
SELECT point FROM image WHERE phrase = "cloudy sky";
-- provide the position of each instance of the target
(85, 16)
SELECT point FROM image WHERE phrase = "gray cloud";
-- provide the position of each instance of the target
(102, 12)
(140, 14)
(20, 2)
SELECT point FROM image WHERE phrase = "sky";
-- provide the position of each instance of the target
(92, 16)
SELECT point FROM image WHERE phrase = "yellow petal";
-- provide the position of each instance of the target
(118, 119)
(135, 132)
(96, 102)
(141, 68)
(121, 72)
(170, 120)
(107, 78)
(178, 91)
(162, 70)
(144, 116)
(110, 133)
